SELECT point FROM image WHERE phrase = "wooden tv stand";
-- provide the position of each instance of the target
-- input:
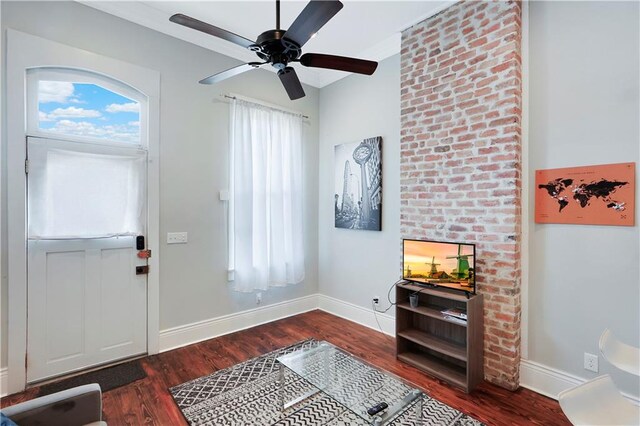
(427, 340)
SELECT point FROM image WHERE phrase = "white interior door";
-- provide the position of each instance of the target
(80, 79)
(87, 302)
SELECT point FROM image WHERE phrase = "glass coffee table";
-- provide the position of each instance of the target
(352, 383)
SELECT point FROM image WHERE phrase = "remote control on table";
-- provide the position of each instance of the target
(377, 408)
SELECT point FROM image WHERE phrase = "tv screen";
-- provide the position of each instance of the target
(445, 264)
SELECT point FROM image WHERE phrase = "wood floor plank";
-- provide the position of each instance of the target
(149, 402)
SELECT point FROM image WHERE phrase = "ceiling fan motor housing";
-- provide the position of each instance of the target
(273, 48)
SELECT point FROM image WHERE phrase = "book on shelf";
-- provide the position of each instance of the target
(456, 312)
(455, 319)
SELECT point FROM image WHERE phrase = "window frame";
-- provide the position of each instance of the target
(76, 75)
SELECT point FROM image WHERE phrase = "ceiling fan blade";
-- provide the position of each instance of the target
(230, 73)
(342, 63)
(311, 19)
(195, 24)
(291, 83)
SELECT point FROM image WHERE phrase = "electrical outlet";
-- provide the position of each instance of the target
(591, 362)
(258, 298)
(376, 300)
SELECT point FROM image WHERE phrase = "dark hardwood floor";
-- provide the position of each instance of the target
(148, 401)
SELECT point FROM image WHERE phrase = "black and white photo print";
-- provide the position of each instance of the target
(358, 185)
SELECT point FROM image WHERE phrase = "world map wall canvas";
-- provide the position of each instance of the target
(589, 195)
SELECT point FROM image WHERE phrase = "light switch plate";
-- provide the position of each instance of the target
(176, 238)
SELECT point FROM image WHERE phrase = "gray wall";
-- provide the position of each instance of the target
(584, 110)
(355, 266)
(193, 165)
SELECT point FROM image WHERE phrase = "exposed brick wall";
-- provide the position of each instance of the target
(461, 154)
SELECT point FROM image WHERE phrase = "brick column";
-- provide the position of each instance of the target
(461, 153)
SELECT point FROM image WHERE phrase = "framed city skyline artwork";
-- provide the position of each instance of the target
(358, 185)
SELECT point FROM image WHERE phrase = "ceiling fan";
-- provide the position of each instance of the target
(280, 47)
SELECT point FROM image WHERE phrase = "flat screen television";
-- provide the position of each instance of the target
(440, 263)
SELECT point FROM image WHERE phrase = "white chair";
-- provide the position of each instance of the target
(620, 355)
(598, 402)
(79, 406)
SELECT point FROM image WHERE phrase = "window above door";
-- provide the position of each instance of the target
(84, 107)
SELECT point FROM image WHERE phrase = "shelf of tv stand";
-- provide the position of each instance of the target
(438, 291)
(436, 367)
(448, 350)
(434, 343)
(432, 311)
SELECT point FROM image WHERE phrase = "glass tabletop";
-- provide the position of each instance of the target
(354, 384)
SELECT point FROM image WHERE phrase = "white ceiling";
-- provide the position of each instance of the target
(364, 29)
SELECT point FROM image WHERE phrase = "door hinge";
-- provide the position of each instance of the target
(142, 270)
(26, 166)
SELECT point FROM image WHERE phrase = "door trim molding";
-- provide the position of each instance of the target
(26, 51)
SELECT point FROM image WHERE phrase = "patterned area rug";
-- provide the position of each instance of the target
(248, 394)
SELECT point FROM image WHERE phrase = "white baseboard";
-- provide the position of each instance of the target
(550, 382)
(546, 380)
(358, 314)
(4, 381)
(188, 334)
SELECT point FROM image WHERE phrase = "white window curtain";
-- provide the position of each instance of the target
(83, 191)
(265, 210)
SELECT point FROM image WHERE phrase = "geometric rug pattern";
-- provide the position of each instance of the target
(248, 394)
